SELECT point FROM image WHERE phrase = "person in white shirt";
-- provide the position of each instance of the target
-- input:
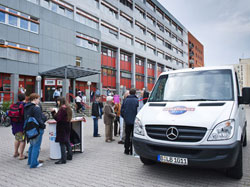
(84, 101)
(78, 101)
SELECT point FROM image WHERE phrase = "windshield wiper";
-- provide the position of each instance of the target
(199, 100)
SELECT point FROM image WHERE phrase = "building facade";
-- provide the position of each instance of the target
(195, 52)
(129, 41)
(243, 72)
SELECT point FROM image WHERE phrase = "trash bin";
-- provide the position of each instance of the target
(55, 152)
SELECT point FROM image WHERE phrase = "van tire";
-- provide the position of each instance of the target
(245, 139)
(146, 161)
(236, 171)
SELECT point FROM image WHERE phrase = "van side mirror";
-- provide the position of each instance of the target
(245, 99)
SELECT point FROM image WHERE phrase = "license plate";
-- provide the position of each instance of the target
(173, 160)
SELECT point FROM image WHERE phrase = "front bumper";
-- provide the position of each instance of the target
(205, 156)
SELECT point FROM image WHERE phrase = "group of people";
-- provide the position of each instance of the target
(80, 101)
(122, 113)
(32, 108)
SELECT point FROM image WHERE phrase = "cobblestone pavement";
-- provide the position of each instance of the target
(104, 164)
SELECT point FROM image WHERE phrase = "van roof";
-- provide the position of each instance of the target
(198, 69)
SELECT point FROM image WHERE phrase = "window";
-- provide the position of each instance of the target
(140, 44)
(108, 9)
(78, 61)
(160, 54)
(159, 13)
(110, 30)
(24, 24)
(151, 50)
(18, 19)
(87, 19)
(12, 19)
(128, 3)
(167, 57)
(141, 28)
(160, 40)
(150, 19)
(151, 34)
(34, 27)
(33, 1)
(150, 5)
(126, 39)
(140, 11)
(168, 45)
(88, 42)
(59, 7)
(22, 47)
(160, 27)
(126, 19)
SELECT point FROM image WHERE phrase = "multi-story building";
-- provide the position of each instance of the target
(195, 52)
(243, 72)
(130, 42)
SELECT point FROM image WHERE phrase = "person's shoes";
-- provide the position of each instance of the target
(39, 165)
(120, 142)
(69, 157)
(112, 139)
(98, 135)
(22, 158)
(108, 141)
(126, 152)
(60, 162)
(41, 161)
(16, 155)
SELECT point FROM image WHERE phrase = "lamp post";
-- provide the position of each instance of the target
(89, 83)
(38, 79)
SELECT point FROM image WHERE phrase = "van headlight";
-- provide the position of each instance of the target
(222, 131)
(138, 128)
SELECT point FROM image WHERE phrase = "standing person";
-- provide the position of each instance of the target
(122, 122)
(129, 112)
(22, 89)
(17, 126)
(145, 97)
(63, 118)
(95, 113)
(32, 109)
(141, 101)
(108, 91)
(84, 101)
(97, 93)
(56, 94)
(78, 101)
(117, 110)
(109, 116)
(2, 94)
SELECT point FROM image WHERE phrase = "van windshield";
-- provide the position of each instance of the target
(210, 85)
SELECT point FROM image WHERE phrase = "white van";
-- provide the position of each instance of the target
(194, 117)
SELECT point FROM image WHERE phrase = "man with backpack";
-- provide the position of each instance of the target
(16, 114)
(34, 128)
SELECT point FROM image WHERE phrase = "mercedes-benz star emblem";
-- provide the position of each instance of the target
(172, 133)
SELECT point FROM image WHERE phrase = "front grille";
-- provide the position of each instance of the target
(186, 134)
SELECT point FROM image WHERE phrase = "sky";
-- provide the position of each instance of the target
(222, 26)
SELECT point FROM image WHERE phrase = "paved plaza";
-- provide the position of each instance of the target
(104, 164)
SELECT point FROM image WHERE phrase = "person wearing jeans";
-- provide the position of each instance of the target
(32, 109)
(96, 114)
(34, 150)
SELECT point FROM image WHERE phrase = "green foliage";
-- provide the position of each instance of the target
(6, 105)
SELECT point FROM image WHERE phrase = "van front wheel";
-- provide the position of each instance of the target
(146, 161)
(236, 172)
(245, 139)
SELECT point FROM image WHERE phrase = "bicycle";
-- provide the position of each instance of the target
(4, 119)
(47, 114)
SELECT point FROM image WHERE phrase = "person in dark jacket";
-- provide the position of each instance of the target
(32, 109)
(63, 118)
(96, 114)
(129, 112)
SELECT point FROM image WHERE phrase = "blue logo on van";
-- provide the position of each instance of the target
(178, 110)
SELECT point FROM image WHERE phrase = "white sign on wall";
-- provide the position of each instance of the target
(50, 82)
(59, 82)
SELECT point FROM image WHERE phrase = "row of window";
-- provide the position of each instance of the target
(87, 42)
(21, 46)
(17, 19)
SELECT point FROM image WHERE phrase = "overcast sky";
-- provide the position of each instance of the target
(222, 26)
